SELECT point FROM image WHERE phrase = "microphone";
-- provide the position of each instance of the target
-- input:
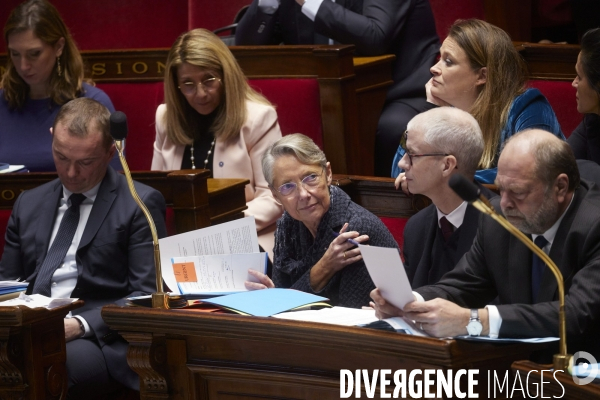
(118, 130)
(118, 125)
(468, 191)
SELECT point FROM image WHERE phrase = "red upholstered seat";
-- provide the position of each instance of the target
(446, 12)
(396, 227)
(561, 96)
(118, 24)
(298, 105)
(139, 102)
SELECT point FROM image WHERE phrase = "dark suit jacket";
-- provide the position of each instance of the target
(115, 256)
(585, 139)
(426, 255)
(403, 28)
(498, 264)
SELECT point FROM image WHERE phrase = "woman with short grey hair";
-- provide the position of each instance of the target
(315, 241)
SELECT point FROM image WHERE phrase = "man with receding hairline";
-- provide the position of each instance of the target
(542, 195)
(83, 236)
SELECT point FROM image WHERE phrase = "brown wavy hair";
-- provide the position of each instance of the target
(488, 46)
(45, 22)
(206, 50)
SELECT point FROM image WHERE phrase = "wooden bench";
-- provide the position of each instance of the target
(551, 70)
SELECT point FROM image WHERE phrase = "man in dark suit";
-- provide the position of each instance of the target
(435, 239)
(542, 195)
(110, 255)
(403, 28)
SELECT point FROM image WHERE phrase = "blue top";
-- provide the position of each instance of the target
(528, 110)
(25, 134)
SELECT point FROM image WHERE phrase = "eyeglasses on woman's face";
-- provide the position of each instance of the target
(309, 181)
(403, 140)
(209, 85)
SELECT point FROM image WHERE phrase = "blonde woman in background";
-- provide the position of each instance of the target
(213, 119)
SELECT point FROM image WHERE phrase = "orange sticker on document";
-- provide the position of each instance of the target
(185, 272)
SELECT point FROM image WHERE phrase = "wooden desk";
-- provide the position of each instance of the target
(568, 391)
(32, 352)
(197, 201)
(183, 354)
(380, 196)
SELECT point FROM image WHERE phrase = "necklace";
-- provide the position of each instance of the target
(212, 145)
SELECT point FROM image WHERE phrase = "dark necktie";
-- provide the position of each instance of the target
(60, 246)
(447, 228)
(537, 268)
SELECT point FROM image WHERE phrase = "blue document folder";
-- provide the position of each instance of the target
(266, 302)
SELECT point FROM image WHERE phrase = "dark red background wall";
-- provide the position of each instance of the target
(130, 24)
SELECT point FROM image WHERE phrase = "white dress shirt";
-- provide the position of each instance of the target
(456, 217)
(65, 277)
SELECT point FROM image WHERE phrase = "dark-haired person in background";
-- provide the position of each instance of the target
(403, 28)
(44, 70)
(83, 236)
(585, 139)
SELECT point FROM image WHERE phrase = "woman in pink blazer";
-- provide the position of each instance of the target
(213, 119)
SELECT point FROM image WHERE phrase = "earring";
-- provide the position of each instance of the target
(58, 67)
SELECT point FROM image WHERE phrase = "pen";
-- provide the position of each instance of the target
(354, 242)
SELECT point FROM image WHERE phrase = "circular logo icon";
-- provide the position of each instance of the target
(587, 369)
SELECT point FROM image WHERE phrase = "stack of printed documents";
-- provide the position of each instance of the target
(212, 261)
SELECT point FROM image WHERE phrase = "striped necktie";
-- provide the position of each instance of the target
(60, 246)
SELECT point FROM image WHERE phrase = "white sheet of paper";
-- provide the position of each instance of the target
(238, 236)
(388, 274)
(37, 300)
(335, 315)
(11, 168)
(222, 273)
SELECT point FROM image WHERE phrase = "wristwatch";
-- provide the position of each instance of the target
(474, 327)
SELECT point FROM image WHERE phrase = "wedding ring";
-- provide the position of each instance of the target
(344, 255)
(421, 326)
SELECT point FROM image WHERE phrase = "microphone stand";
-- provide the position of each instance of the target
(470, 193)
(160, 299)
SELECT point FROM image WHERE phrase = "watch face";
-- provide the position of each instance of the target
(474, 328)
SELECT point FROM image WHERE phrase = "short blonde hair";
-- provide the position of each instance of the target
(206, 50)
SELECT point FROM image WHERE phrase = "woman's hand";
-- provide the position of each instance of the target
(264, 282)
(339, 254)
(431, 98)
(401, 183)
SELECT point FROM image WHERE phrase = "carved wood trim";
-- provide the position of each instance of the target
(146, 355)
(11, 377)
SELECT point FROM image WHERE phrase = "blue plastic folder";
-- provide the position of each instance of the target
(266, 302)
